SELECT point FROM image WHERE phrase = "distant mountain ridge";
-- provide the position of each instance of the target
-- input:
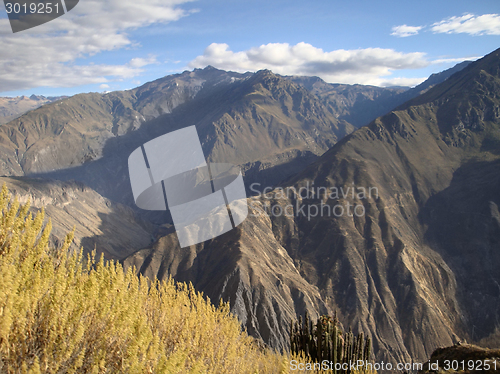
(12, 107)
(356, 104)
(359, 105)
(430, 82)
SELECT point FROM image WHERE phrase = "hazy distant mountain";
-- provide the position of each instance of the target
(13, 107)
(419, 270)
(359, 105)
(356, 104)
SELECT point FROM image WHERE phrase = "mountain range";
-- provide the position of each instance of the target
(13, 107)
(417, 270)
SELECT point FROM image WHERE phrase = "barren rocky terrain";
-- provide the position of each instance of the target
(416, 271)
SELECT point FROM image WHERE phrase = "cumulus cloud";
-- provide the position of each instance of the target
(47, 55)
(487, 24)
(363, 66)
(404, 30)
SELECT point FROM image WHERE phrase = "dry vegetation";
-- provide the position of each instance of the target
(61, 313)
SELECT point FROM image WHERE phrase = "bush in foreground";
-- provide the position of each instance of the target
(61, 313)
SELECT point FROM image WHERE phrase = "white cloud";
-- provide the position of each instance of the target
(455, 60)
(104, 87)
(404, 30)
(46, 55)
(487, 24)
(363, 66)
(140, 62)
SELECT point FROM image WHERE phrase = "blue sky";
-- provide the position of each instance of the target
(120, 44)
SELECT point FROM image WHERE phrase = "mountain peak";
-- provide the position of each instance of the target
(264, 73)
(207, 69)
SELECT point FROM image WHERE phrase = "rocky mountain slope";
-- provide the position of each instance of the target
(413, 262)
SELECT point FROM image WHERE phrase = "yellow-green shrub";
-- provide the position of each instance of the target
(60, 313)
